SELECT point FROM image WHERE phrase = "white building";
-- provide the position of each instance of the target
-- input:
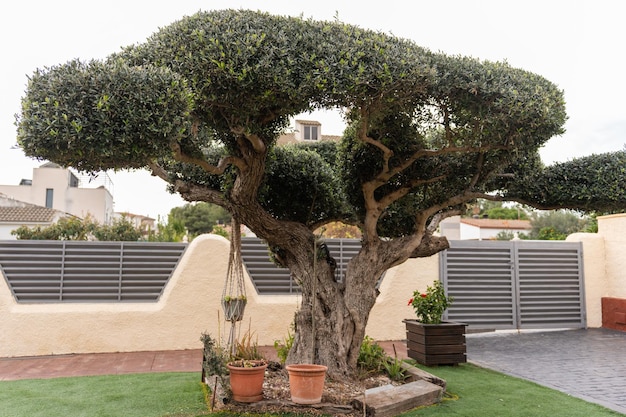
(457, 228)
(144, 223)
(57, 188)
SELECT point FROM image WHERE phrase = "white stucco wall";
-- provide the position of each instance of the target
(190, 304)
(5, 231)
(385, 322)
(469, 232)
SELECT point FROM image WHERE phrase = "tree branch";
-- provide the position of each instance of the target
(257, 143)
(386, 174)
(189, 191)
(219, 169)
(455, 201)
(362, 135)
(388, 199)
(429, 246)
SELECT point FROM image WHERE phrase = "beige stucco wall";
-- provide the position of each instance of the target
(187, 307)
(596, 283)
(604, 263)
(385, 322)
(190, 304)
(613, 229)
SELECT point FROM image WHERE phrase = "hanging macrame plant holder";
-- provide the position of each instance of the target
(234, 294)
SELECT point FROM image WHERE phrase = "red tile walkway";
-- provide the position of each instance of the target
(55, 366)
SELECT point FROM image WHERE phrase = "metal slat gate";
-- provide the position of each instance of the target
(515, 285)
(41, 271)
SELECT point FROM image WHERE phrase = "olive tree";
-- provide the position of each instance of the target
(201, 103)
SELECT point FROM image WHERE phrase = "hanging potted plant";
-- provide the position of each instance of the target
(430, 340)
(234, 306)
(234, 294)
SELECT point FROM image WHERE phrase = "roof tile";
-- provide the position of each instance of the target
(34, 214)
(498, 223)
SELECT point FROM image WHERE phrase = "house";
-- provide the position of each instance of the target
(60, 189)
(14, 214)
(457, 228)
(306, 131)
(143, 223)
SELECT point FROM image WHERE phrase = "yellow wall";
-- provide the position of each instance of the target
(190, 304)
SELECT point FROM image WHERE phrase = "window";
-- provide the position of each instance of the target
(49, 196)
(310, 133)
(73, 180)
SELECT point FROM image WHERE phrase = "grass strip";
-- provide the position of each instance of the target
(472, 392)
(479, 392)
(136, 395)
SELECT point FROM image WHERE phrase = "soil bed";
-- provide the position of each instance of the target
(337, 398)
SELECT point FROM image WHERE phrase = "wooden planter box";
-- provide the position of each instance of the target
(436, 344)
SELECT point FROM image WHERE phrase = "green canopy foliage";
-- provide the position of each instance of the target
(596, 183)
(202, 101)
(508, 213)
(96, 116)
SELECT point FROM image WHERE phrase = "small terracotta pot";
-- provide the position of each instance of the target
(247, 383)
(306, 382)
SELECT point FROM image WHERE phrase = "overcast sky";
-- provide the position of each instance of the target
(578, 45)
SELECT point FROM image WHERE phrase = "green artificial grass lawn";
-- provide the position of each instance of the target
(479, 392)
(137, 395)
(472, 392)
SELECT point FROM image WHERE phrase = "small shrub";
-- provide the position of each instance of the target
(214, 358)
(283, 348)
(371, 357)
(246, 348)
(248, 363)
(393, 368)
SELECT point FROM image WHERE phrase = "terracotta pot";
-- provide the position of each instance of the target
(306, 382)
(247, 383)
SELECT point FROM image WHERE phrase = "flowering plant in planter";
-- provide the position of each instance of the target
(429, 306)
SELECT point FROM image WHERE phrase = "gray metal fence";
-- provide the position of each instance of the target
(271, 279)
(78, 271)
(496, 285)
(515, 285)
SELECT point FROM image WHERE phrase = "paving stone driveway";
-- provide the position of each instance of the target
(588, 364)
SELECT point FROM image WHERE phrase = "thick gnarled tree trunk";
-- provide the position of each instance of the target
(330, 324)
